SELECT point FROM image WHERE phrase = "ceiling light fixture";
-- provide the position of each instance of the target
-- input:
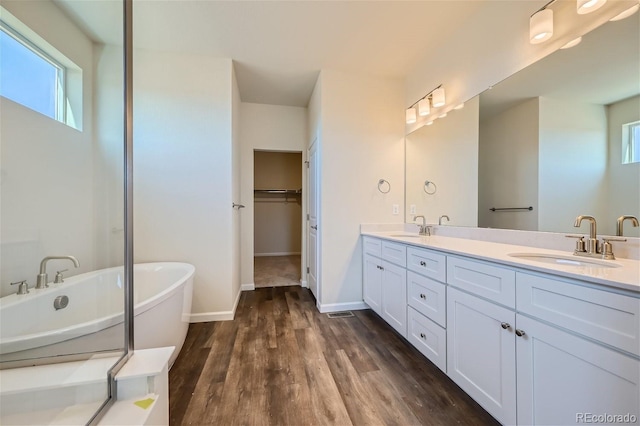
(411, 115)
(572, 43)
(541, 25)
(433, 99)
(588, 6)
(626, 13)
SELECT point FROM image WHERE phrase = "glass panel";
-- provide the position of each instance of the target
(61, 218)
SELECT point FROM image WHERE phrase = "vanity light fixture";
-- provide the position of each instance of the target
(434, 98)
(587, 6)
(443, 115)
(460, 106)
(572, 43)
(626, 13)
(541, 25)
(411, 115)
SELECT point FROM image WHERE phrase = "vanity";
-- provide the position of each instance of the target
(535, 336)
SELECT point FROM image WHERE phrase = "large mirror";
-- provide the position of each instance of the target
(543, 146)
(62, 239)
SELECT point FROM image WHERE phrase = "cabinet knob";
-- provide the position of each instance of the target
(505, 325)
(381, 268)
(423, 263)
(520, 333)
(423, 296)
(422, 336)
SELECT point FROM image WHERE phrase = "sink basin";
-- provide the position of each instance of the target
(406, 235)
(569, 260)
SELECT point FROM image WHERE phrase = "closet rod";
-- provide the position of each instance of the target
(277, 191)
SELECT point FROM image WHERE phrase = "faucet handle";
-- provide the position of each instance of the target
(580, 246)
(607, 249)
(59, 277)
(23, 287)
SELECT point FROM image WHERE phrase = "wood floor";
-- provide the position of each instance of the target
(281, 362)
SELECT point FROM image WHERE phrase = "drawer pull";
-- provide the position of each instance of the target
(423, 263)
(423, 296)
(381, 268)
(520, 333)
(422, 336)
(505, 325)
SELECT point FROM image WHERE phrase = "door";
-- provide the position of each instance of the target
(372, 283)
(394, 296)
(563, 378)
(481, 352)
(313, 235)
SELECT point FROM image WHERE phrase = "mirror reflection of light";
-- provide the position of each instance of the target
(572, 43)
(119, 281)
(626, 13)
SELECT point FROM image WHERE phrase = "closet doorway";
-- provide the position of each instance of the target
(277, 183)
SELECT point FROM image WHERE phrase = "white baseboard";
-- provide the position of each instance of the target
(304, 284)
(282, 253)
(217, 316)
(338, 307)
(248, 287)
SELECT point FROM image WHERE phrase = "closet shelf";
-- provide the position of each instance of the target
(278, 191)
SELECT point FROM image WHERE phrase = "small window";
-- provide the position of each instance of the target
(29, 76)
(631, 143)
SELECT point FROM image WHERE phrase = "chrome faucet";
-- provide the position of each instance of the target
(593, 245)
(424, 229)
(444, 216)
(42, 279)
(620, 221)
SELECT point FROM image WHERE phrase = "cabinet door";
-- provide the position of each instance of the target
(372, 283)
(481, 356)
(563, 378)
(394, 297)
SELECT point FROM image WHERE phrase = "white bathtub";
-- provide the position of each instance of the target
(30, 326)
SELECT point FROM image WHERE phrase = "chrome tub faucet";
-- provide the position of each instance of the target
(41, 281)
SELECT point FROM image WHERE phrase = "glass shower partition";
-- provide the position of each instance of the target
(62, 209)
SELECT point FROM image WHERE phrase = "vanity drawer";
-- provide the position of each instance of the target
(427, 263)
(394, 253)
(607, 317)
(485, 280)
(427, 337)
(372, 246)
(428, 297)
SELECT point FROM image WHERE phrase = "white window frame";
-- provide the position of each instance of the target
(61, 74)
(630, 145)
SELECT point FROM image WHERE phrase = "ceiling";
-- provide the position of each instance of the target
(279, 47)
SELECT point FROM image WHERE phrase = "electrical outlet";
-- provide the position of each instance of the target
(396, 209)
(412, 209)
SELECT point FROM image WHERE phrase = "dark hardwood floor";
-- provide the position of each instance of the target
(281, 362)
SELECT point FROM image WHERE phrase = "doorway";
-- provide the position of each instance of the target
(277, 218)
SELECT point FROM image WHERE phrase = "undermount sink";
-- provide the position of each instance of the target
(569, 260)
(406, 235)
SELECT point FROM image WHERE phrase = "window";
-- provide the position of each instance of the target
(29, 76)
(631, 143)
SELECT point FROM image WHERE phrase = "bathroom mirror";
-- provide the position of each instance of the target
(61, 139)
(549, 138)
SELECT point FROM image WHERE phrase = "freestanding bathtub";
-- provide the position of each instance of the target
(31, 327)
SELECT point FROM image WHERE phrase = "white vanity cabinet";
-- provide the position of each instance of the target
(372, 282)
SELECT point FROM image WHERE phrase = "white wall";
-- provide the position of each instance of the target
(265, 127)
(508, 167)
(46, 166)
(445, 153)
(183, 171)
(572, 165)
(360, 122)
(623, 179)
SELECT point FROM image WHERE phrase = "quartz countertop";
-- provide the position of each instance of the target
(626, 276)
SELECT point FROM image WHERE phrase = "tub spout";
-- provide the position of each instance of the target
(41, 281)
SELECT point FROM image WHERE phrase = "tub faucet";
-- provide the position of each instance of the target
(444, 216)
(42, 279)
(621, 219)
(593, 245)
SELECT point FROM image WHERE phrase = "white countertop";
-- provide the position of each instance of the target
(626, 276)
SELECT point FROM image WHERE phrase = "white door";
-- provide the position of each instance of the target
(562, 378)
(394, 296)
(372, 283)
(481, 352)
(313, 237)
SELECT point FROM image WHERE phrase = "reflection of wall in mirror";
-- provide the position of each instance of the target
(445, 153)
